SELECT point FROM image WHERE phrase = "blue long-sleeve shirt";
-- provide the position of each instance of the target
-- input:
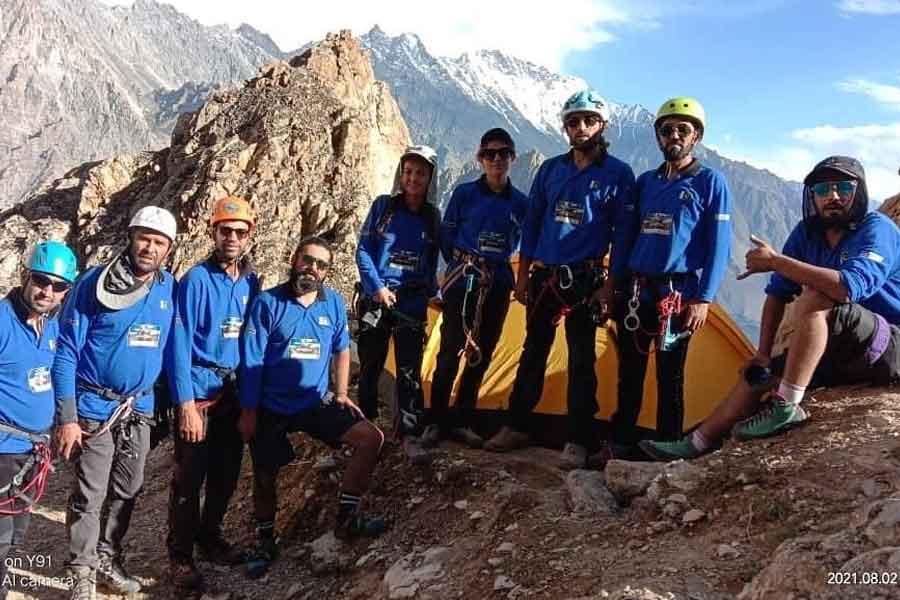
(572, 213)
(482, 223)
(680, 227)
(287, 350)
(26, 392)
(122, 350)
(400, 252)
(210, 311)
(868, 260)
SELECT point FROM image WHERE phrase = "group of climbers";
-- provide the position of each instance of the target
(247, 366)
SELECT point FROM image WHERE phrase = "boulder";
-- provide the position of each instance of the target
(588, 492)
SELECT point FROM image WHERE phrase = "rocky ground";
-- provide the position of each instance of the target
(769, 519)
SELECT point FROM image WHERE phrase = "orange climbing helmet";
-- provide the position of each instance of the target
(232, 208)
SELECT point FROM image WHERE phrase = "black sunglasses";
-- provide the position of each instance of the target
(588, 120)
(493, 153)
(310, 260)
(683, 130)
(226, 232)
(40, 280)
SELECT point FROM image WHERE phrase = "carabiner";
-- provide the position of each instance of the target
(564, 285)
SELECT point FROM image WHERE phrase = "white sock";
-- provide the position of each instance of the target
(699, 441)
(792, 394)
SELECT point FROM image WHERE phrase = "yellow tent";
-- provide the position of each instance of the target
(715, 356)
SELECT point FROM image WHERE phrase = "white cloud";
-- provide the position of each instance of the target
(888, 95)
(872, 7)
(542, 34)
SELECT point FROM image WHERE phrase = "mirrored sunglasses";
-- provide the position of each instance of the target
(843, 188)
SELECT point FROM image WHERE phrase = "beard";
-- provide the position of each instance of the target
(675, 152)
(304, 282)
(834, 218)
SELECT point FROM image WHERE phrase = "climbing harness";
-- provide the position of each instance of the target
(18, 495)
(124, 419)
(667, 307)
(472, 268)
(562, 278)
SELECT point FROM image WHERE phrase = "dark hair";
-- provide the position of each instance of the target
(313, 240)
(497, 134)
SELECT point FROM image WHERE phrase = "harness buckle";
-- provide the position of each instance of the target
(568, 280)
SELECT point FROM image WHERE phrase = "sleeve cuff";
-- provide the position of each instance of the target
(66, 411)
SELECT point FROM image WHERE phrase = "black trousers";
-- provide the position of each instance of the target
(634, 348)
(409, 345)
(540, 331)
(12, 527)
(453, 339)
(215, 461)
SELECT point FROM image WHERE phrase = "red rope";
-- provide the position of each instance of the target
(37, 484)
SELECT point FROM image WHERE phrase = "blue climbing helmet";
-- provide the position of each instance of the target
(53, 258)
(589, 101)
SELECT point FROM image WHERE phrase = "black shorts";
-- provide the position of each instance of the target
(327, 422)
(859, 350)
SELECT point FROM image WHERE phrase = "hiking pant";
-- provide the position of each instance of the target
(453, 339)
(540, 331)
(409, 345)
(215, 460)
(271, 449)
(634, 348)
(12, 527)
(109, 476)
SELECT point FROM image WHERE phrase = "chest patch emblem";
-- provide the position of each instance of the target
(657, 224)
(304, 349)
(145, 335)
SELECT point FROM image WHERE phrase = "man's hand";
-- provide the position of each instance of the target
(759, 259)
(67, 437)
(247, 423)
(345, 400)
(695, 314)
(521, 293)
(190, 423)
(386, 297)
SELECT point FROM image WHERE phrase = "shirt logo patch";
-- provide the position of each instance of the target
(491, 242)
(657, 224)
(304, 349)
(231, 328)
(723, 217)
(39, 380)
(323, 321)
(569, 213)
(245, 299)
(145, 335)
(403, 260)
(164, 305)
(52, 345)
(685, 196)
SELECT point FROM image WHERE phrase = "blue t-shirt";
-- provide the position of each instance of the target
(398, 249)
(287, 350)
(572, 213)
(122, 350)
(484, 224)
(210, 311)
(26, 391)
(680, 227)
(868, 259)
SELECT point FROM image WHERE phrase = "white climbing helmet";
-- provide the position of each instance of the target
(156, 219)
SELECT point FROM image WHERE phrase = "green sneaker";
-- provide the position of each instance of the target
(669, 451)
(773, 419)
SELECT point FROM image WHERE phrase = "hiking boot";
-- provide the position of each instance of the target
(115, 576)
(84, 583)
(184, 576)
(573, 456)
(669, 451)
(261, 558)
(358, 525)
(220, 551)
(414, 451)
(467, 437)
(431, 437)
(507, 439)
(774, 418)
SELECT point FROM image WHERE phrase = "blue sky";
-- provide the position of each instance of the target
(785, 83)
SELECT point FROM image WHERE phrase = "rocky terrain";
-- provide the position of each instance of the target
(797, 516)
(308, 143)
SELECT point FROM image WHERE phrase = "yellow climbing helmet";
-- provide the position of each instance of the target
(682, 106)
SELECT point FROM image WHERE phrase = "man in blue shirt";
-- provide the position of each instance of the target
(481, 229)
(575, 201)
(673, 253)
(397, 258)
(113, 338)
(28, 333)
(841, 268)
(211, 305)
(294, 333)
